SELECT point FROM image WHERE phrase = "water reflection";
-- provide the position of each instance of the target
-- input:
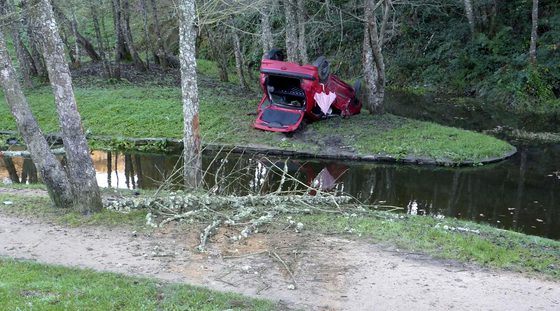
(518, 194)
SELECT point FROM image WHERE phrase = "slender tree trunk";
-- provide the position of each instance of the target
(302, 43)
(81, 172)
(161, 52)
(25, 63)
(81, 41)
(121, 50)
(38, 61)
(49, 167)
(534, 26)
(147, 39)
(99, 39)
(217, 51)
(191, 138)
(76, 44)
(239, 63)
(376, 40)
(370, 73)
(291, 31)
(138, 63)
(470, 15)
(266, 31)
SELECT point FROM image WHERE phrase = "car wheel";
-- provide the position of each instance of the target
(324, 68)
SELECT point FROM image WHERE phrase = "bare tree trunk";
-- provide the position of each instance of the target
(302, 44)
(239, 63)
(121, 50)
(80, 39)
(376, 39)
(25, 63)
(191, 138)
(161, 52)
(266, 30)
(370, 73)
(147, 39)
(99, 39)
(49, 167)
(217, 51)
(75, 32)
(291, 31)
(470, 15)
(38, 61)
(534, 26)
(138, 63)
(81, 172)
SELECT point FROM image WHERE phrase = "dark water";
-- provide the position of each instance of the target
(522, 193)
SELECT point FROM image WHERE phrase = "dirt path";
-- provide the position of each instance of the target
(330, 273)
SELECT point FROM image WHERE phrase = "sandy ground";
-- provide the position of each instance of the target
(311, 272)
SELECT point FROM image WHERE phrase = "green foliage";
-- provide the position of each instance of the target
(435, 49)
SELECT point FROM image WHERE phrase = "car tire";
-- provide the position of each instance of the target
(323, 67)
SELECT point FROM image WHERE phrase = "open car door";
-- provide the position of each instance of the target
(278, 119)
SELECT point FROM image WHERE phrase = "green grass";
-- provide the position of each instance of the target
(41, 207)
(31, 286)
(227, 114)
(400, 137)
(481, 244)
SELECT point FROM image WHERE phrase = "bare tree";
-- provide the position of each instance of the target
(38, 61)
(373, 43)
(302, 43)
(81, 172)
(534, 26)
(146, 33)
(125, 15)
(239, 62)
(24, 58)
(470, 15)
(80, 39)
(189, 87)
(217, 40)
(121, 49)
(99, 38)
(51, 170)
(266, 30)
(291, 30)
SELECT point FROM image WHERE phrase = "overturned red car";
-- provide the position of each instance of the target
(292, 92)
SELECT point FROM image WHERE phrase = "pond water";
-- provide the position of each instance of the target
(521, 193)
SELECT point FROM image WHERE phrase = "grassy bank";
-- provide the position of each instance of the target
(30, 286)
(449, 239)
(227, 114)
(442, 238)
